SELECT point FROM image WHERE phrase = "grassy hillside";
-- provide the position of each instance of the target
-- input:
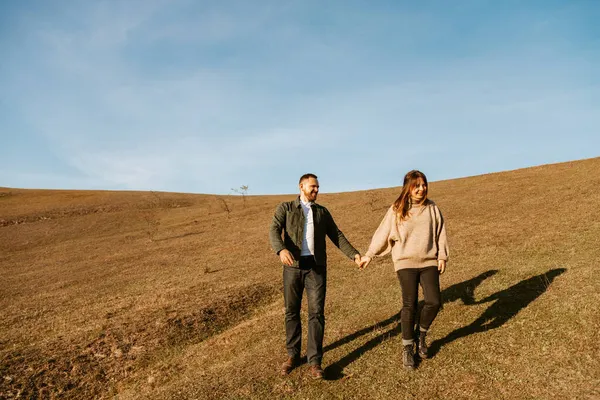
(165, 295)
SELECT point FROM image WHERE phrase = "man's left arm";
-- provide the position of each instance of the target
(339, 240)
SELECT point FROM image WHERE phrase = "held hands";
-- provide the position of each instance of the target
(362, 262)
(441, 266)
(286, 257)
(358, 261)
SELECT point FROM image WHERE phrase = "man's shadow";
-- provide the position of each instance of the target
(464, 291)
(507, 304)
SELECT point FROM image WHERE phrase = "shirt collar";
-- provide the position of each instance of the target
(310, 203)
(298, 202)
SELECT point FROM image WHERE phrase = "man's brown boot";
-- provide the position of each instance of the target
(316, 372)
(289, 365)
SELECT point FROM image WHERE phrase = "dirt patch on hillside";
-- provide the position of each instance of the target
(93, 368)
(161, 204)
(56, 214)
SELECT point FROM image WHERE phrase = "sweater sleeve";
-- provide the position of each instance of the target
(382, 241)
(442, 240)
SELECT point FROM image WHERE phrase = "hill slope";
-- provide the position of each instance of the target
(164, 295)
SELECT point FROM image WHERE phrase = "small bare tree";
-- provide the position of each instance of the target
(243, 190)
(224, 205)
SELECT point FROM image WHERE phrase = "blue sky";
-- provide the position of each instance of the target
(205, 96)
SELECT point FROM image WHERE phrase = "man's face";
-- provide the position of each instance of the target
(310, 189)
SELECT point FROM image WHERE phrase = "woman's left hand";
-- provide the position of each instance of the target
(441, 266)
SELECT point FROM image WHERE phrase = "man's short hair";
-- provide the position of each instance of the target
(305, 177)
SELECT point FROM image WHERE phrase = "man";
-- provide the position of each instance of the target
(304, 225)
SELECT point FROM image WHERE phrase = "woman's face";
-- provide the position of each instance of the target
(419, 191)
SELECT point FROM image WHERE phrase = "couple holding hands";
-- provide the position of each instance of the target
(412, 230)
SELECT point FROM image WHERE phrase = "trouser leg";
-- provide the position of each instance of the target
(293, 287)
(316, 283)
(409, 283)
(430, 282)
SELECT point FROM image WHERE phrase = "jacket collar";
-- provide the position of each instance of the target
(297, 202)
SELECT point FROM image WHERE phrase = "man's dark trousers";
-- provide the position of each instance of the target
(313, 277)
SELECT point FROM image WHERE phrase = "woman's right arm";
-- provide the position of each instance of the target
(381, 243)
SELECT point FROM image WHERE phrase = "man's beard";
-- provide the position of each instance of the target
(310, 196)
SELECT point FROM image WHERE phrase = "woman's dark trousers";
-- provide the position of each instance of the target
(429, 278)
(313, 278)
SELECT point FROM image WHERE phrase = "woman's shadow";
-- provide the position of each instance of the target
(509, 303)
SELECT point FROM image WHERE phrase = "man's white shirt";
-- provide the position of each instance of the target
(308, 241)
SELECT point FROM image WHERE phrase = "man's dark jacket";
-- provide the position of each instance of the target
(289, 219)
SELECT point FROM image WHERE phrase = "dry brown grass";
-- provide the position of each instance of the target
(166, 295)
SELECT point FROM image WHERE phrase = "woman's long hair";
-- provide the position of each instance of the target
(403, 202)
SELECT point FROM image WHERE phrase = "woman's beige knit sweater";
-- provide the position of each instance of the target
(417, 242)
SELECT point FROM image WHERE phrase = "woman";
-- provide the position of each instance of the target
(413, 230)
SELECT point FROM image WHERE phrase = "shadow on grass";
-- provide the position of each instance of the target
(507, 304)
(461, 291)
